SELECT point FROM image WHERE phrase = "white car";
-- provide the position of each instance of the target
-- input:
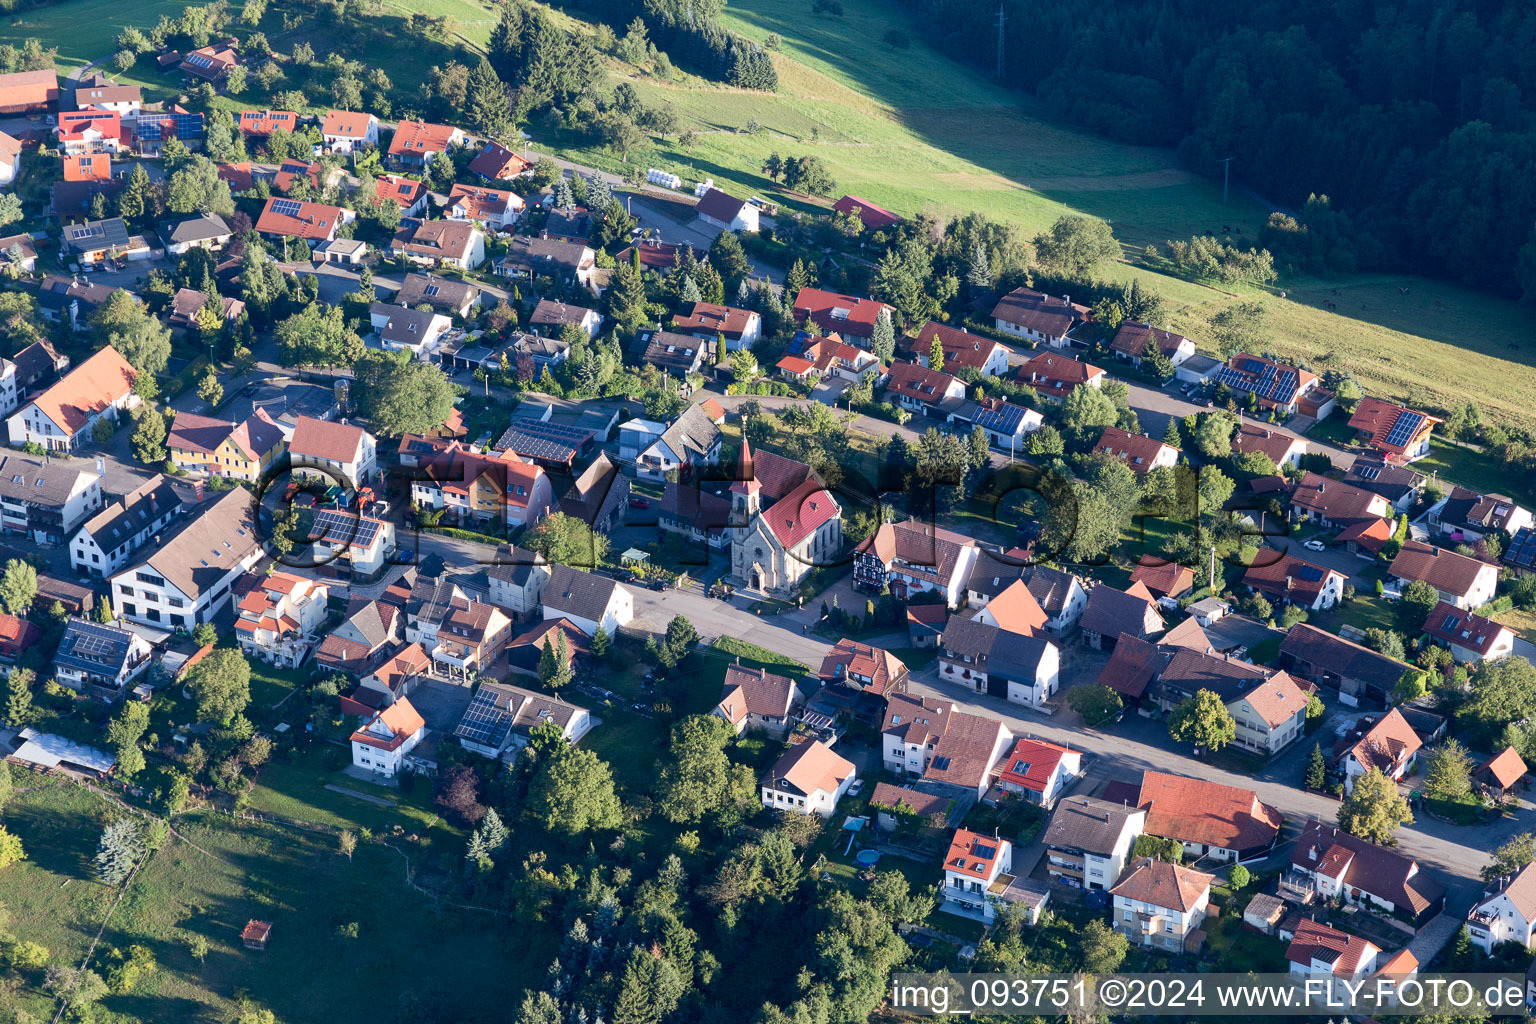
(856, 788)
(1315, 545)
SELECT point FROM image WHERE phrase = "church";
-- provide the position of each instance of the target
(783, 523)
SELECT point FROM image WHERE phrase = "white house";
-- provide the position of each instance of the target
(1006, 425)
(637, 435)
(359, 544)
(45, 499)
(976, 870)
(688, 442)
(402, 329)
(809, 779)
(1470, 638)
(757, 699)
(1506, 911)
(1158, 905)
(1386, 742)
(188, 578)
(1021, 669)
(104, 544)
(344, 131)
(10, 157)
(102, 659)
(516, 578)
(280, 618)
(962, 350)
(1317, 948)
(913, 557)
(1039, 771)
(727, 212)
(66, 414)
(500, 717)
(587, 600)
(1460, 581)
(1328, 862)
(335, 452)
(1089, 840)
(928, 737)
(381, 745)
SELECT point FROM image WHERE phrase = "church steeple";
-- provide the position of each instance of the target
(746, 501)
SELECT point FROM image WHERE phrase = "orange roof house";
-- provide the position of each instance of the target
(313, 222)
(1399, 433)
(417, 142)
(1504, 770)
(88, 167)
(75, 403)
(1162, 577)
(262, 123)
(26, 92)
(392, 728)
(1207, 814)
(498, 163)
(1016, 610)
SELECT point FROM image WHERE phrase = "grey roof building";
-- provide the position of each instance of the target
(114, 533)
(440, 293)
(94, 655)
(45, 498)
(196, 229)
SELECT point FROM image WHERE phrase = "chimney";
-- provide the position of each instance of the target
(1287, 583)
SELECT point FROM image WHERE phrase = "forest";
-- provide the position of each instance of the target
(1414, 119)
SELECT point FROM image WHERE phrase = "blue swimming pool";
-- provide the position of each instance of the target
(867, 857)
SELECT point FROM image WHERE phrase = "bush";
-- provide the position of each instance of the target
(1239, 877)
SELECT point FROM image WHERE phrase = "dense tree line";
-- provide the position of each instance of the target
(690, 32)
(1416, 120)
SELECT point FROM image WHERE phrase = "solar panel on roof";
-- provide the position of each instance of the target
(1404, 429)
(341, 528)
(286, 207)
(483, 721)
(1310, 573)
(198, 60)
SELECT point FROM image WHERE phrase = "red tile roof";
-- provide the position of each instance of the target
(1387, 744)
(1032, 763)
(849, 315)
(1251, 437)
(873, 217)
(23, 90)
(346, 124)
(1283, 575)
(88, 389)
(1375, 419)
(1444, 570)
(1170, 886)
(961, 348)
(312, 221)
(1050, 315)
(497, 162)
(478, 203)
(405, 191)
(1137, 451)
(808, 767)
(1055, 375)
(1506, 768)
(862, 661)
(1317, 941)
(1454, 626)
(922, 384)
(971, 853)
(1162, 577)
(706, 316)
(799, 513)
(324, 439)
(401, 721)
(1132, 339)
(88, 167)
(265, 122)
(418, 137)
(1197, 811)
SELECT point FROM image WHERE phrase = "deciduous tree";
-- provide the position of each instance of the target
(1374, 809)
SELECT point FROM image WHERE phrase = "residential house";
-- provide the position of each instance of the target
(598, 496)
(280, 617)
(926, 737)
(696, 514)
(1468, 516)
(662, 257)
(1111, 614)
(1022, 669)
(689, 443)
(335, 452)
(1005, 424)
(1460, 581)
(1015, 609)
(808, 779)
(914, 557)
(1054, 376)
(368, 635)
(1163, 578)
(529, 258)
(100, 660)
(828, 357)
(1330, 864)
(1318, 948)
(896, 806)
(16, 636)
(388, 680)
(262, 123)
(1292, 580)
(741, 328)
(501, 490)
(464, 636)
(1505, 912)
(19, 251)
(726, 212)
(500, 719)
(345, 131)
(357, 545)
(1142, 454)
(210, 63)
(1158, 905)
(1336, 505)
(45, 499)
(976, 870)
(37, 365)
(678, 354)
(383, 743)
(872, 673)
(550, 318)
(496, 162)
(96, 241)
(152, 130)
(1038, 771)
(1326, 659)
(1399, 484)
(1088, 841)
(10, 158)
(69, 301)
(1520, 556)
(29, 92)
(199, 231)
(849, 316)
(1382, 741)
(187, 304)
(962, 350)
(1134, 342)
(1275, 386)
(292, 169)
(1281, 448)
(757, 699)
(416, 143)
(105, 543)
(238, 451)
(1059, 594)
(1047, 319)
(1268, 708)
(1224, 823)
(80, 167)
(1470, 638)
(90, 131)
(403, 329)
(409, 193)
(65, 415)
(1395, 432)
(525, 652)
(187, 579)
(588, 600)
(493, 208)
(446, 295)
(516, 578)
(924, 391)
(871, 216)
(309, 222)
(453, 243)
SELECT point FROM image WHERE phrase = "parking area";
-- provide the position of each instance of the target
(441, 703)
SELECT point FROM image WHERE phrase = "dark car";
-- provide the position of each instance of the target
(657, 585)
(635, 501)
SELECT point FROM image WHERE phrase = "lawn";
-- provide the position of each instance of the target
(249, 870)
(1522, 622)
(1475, 470)
(293, 787)
(271, 685)
(1366, 611)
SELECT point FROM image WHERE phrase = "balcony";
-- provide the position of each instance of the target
(456, 654)
(1297, 886)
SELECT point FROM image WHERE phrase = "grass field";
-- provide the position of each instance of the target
(307, 972)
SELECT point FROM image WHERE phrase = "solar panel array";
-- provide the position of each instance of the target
(287, 207)
(1310, 573)
(163, 126)
(1005, 420)
(199, 60)
(1368, 472)
(1263, 379)
(341, 528)
(483, 721)
(554, 441)
(1404, 429)
(1522, 550)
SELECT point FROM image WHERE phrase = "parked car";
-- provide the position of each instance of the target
(1315, 545)
(636, 501)
(856, 788)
